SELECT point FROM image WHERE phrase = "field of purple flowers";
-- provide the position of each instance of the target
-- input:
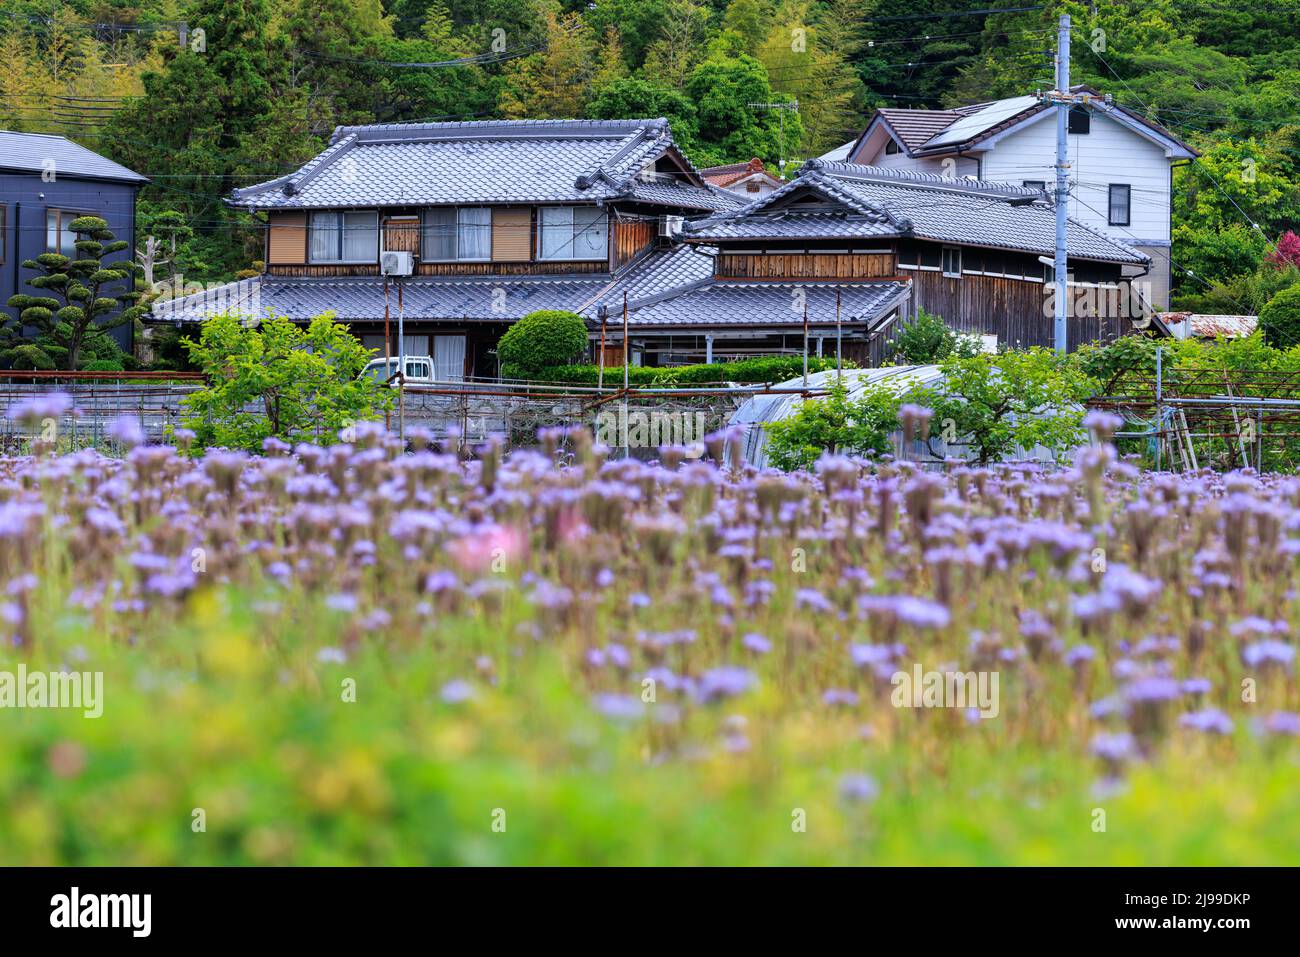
(360, 654)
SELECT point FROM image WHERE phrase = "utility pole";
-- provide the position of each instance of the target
(1063, 105)
(781, 109)
(401, 352)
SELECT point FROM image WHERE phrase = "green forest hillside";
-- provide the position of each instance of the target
(207, 95)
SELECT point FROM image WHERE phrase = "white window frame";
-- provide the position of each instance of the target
(62, 214)
(944, 264)
(546, 212)
(425, 251)
(341, 227)
(1128, 204)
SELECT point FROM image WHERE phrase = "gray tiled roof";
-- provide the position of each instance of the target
(730, 303)
(659, 271)
(687, 195)
(798, 225)
(32, 151)
(882, 203)
(362, 298)
(501, 161)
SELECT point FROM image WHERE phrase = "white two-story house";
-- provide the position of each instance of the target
(1121, 164)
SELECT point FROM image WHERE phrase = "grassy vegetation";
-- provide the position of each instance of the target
(379, 653)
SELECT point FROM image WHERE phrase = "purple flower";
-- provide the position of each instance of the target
(1271, 652)
(1113, 748)
(726, 682)
(126, 430)
(840, 697)
(33, 411)
(858, 789)
(1210, 721)
(756, 643)
(1282, 723)
(620, 707)
(457, 691)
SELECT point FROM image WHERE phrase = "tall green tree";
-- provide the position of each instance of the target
(77, 301)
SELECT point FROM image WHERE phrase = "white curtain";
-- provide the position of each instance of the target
(474, 233)
(324, 237)
(361, 237)
(416, 345)
(449, 358)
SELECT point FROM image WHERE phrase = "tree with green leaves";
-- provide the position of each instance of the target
(277, 379)
(78, 300)
(835, 424)
(998, 403)
(731, 129)
(926, 338)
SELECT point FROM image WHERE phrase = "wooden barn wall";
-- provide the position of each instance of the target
(1018, 312)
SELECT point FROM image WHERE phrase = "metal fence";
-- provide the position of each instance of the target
(631, 418)
(1213, 417)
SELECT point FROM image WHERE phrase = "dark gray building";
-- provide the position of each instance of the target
(47, 181)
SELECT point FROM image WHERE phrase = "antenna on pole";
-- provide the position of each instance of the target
(1064, 102)
(781, 109)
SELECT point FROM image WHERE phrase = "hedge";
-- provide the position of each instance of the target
(764, 369)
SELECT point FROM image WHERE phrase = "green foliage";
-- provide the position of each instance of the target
(541, 339)
(834, 424)
(766, 369)
(279, 380)
(30, 356)
(926, 339)
(1280, 319)
(1014, 399)
(82, 299)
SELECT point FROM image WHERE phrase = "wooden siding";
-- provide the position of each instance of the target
(512, 233)
(805, 266)
(402, 234)
(287, 239)
(630, 237)
(334, 271)
(1018, 312)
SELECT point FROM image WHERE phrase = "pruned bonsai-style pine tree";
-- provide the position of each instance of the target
(77, 302)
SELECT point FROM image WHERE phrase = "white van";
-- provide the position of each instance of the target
(419, 370)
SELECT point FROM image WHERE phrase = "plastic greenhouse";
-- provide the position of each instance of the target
(762, 409)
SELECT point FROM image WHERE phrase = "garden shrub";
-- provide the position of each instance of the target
(1280, 319)
(548, 337)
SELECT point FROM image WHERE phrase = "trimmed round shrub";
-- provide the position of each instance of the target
(548, 337)
(1280, 319)
(31, 357)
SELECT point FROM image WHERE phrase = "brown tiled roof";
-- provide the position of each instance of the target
(726, 175)
(915, 127)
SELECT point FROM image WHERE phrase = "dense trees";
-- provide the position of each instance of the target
(258, 90)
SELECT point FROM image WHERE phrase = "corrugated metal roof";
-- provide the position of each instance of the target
(1203, 326)
(33, 151)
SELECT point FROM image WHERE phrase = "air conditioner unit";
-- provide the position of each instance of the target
(396, 263)
(670, 226)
